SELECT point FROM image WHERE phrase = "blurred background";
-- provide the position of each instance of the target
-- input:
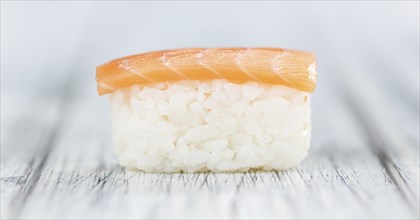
(46, 44)
(368, 66)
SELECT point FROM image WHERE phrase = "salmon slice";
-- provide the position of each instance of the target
(292, 68)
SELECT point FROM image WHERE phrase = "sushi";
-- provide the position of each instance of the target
(210, 109)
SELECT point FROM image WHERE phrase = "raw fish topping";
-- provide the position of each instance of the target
(292, 68)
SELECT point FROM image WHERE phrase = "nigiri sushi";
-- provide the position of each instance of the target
(210, 109)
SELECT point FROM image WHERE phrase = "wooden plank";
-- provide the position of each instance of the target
(92, 185)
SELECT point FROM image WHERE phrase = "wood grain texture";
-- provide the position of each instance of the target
(56, 152)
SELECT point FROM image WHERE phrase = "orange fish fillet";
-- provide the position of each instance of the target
(296, 69)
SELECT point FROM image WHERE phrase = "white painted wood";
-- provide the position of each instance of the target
(56, 150)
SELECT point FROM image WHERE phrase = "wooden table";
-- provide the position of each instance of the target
(56, 151)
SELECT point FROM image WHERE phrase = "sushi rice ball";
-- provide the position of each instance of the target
(219, 110)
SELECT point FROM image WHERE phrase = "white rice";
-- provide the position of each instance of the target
(210, 125)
